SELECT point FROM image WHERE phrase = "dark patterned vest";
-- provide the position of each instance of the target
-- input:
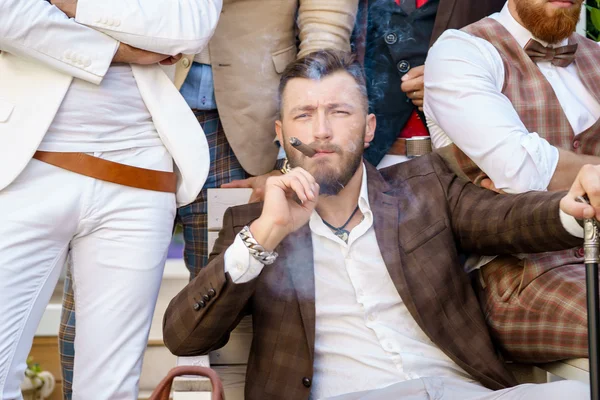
(395, 43)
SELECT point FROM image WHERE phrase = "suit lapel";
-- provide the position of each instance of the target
(297, 255)
(386, 220)
(442, 19)
(442, 330)
(586, 64)
(386, 209)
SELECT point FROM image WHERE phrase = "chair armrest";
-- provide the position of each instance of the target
(192, 383)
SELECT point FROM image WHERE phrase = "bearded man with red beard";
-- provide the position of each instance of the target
(514, 101)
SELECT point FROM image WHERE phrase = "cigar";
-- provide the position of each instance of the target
(302, 148)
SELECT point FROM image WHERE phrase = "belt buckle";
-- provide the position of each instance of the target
(417, 146)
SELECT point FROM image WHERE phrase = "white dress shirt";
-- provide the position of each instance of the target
(105, 117)
(464, 104)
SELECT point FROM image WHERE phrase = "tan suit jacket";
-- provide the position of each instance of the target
(253, 43)
(418, 241)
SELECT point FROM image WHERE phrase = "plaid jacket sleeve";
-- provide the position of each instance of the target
(200, 318)
(489, 223)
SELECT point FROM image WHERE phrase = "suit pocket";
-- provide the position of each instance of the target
(282, 58)
(424, 236)
(6, 110)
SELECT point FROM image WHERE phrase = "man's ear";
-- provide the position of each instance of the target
(279, 131)
(370, 128)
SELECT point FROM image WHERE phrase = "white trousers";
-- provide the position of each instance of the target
(117, 239)
(455, 389)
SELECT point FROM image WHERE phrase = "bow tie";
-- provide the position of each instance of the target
(561, 56)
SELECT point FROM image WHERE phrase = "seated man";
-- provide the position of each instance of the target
(353, 284)
(529, 122)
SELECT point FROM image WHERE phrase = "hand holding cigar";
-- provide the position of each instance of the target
(302, 148)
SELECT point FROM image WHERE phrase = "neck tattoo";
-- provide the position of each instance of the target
(341, 232)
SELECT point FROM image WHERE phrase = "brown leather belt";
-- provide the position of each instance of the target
(110, 171)
(412, 147)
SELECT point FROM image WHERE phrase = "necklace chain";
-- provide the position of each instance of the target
(341, 232)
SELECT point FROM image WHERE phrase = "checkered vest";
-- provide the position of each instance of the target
(532, 95)
(538, 107)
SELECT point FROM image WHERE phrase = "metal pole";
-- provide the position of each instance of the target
(591, 246)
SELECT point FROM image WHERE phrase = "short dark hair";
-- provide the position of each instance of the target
(322, 63)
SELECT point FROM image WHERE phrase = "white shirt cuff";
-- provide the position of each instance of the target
(240, 264)
(545, 160)
(570, 224)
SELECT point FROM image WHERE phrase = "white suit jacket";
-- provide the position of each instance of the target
(42, 51)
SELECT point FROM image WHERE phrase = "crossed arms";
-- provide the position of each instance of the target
(84, 47)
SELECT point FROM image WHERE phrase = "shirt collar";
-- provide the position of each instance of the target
(316, 222)
(519, 32)
(363, 197)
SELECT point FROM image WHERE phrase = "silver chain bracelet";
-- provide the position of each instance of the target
(255, 249)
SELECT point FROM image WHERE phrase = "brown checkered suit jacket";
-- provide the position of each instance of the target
(422, 213)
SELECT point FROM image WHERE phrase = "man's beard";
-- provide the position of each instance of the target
(332, 182)
(330, 179)
(549, 29)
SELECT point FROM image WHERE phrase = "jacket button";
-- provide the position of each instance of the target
(212, 293)
(196, 306)
(576, 144)
(206, 297)
(306, 382)
(202, 303)
(391, 38)
(185, 62)
(580, 252)
(403, 66)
